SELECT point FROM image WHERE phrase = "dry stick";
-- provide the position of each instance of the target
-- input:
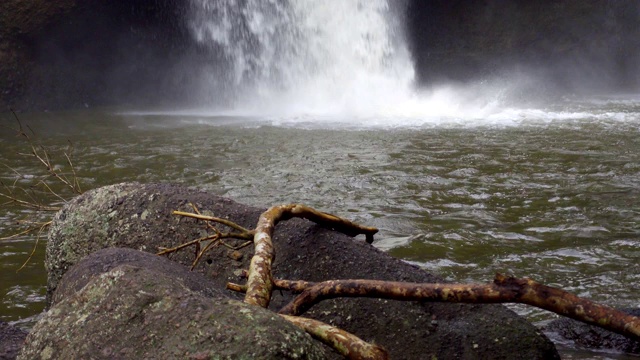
(503, 290)
(203, 251)
(260, 283)
(347, 344)
(245, 233)
(181, 246)
(29, 205)
(42, 225)
(295, 286)
(35, 246)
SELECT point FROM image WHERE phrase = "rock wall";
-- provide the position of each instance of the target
(74, 54)
(591, 43)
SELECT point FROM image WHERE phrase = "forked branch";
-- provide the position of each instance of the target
(504, 289)
(213, 240)
(260, 283)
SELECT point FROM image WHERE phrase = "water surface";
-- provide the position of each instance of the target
(551, 194)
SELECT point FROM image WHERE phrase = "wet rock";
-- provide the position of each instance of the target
(11, 340)
(106, 260)
(593, 337)
(134, 312)
(139, 217)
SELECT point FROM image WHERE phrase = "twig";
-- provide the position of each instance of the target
(35, 246)
(243, 234)
(164, 251)
(231, 224)
(30, 205)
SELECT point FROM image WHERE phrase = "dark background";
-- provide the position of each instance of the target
(72, 54)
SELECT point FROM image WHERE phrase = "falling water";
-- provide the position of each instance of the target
(343, 57)
(347, 62)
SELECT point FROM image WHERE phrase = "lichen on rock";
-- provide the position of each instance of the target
(111, 217)
(132, 312)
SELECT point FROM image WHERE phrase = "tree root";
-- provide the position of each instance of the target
(260, 283)
(295, 286)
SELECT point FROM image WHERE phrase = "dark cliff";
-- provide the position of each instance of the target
(591, 43)
(73, 54)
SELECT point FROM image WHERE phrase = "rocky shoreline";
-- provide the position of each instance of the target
(109, 296)
(132, 285)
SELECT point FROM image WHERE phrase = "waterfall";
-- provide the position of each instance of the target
(292, 57)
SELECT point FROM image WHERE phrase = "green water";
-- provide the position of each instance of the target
(554, 199)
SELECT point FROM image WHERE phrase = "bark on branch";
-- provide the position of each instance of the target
(260, 283)
(347, 344)
(504, 289)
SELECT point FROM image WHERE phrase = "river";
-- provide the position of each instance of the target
(548, 193)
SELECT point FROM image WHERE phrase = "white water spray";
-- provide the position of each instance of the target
(335, 61)
(309, 56)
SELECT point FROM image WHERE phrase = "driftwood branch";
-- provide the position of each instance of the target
(503, 290)
(347, 344)
(260, 283)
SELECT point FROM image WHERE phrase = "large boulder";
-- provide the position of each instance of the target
(105, 260)
(140, 217)
(582, 335)
(133, 305)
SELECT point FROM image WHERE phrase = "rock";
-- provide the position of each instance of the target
(139, 217)
(65, 53)
(69, 54)
(593, 337)
(106, 260)
(557, 42)
(135, 311)
(11, 340)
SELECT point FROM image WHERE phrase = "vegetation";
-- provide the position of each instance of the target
(45, 192)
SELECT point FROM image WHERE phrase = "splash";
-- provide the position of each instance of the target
(310, 57)
(341, 61)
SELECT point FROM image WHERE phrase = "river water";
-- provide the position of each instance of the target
(547, 193)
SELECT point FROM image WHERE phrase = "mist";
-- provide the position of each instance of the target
(413, 59)
(333, 58)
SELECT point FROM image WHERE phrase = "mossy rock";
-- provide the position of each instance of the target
(139, 216)
(135, 312)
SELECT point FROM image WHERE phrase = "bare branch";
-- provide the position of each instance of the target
(216, 238)
(345, 343)
(30, 205)
(222, 221)
(35, 246)
(503, 290)
(260, 284)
